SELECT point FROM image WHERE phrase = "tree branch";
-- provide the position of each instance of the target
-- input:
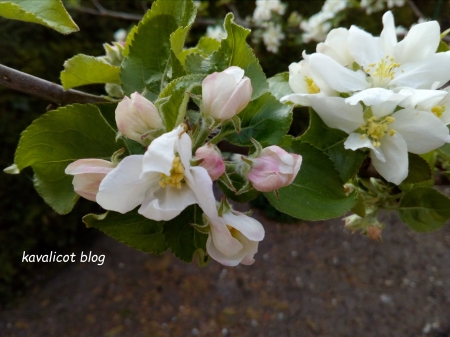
(101, 11)
(415, 9)
(28, 84)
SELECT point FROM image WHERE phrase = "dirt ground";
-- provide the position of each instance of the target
(309, 279)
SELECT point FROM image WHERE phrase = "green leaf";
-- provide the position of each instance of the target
(131, 228)
(182, 238)
(443, 47)
(205, 47)
(233, 51)
(279, 85)
(58, 138)
(264, 119)
(83, 69)
(173, 99)
(149, 59)
(49, 13)
(238, 182)
(331, 141)
(424, 209)
(418, 170)
(317, 192)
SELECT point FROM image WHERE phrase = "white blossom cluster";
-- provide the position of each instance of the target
(372, 6)
(382, 92)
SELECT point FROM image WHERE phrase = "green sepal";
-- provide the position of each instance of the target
(359, 208)
(236, 123)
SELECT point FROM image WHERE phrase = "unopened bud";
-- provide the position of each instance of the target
(212, 160)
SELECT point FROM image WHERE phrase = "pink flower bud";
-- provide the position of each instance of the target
(274, 168)
(225, 94)
(136, 117)
(212, 160)
(88, 174)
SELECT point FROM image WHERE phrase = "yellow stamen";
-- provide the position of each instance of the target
(376, 130)
(176, 175)
(311, 86)
(438, 110)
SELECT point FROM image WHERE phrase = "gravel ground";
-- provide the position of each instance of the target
(310, 279)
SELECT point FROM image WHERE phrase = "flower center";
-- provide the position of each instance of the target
(176, 175)
(438, 110)
(376, 130)
(233, 231)
(384, 71)
(311, 86)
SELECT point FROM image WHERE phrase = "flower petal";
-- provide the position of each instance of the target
(82, 166)
(374, 96)
(355, 142)
(364, 47)
(249, 227)
(122, 189)
(231, 260)
(395, 168)
(388, 36)
(422, 131)
(238, 73)
(337, 114)
(336, 76)
(201, 184)
(238, 100)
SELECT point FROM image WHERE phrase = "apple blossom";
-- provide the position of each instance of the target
(273, 168)
(136, 117)
(216, 32)
(264, 9)
(233, 238)
(212, 160)
(88, 174)
(225, 94)
(161, 181)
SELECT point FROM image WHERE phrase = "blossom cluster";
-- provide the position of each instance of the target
(173, 174)
(386, 95)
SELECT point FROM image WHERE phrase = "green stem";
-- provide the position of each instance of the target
(201, 136)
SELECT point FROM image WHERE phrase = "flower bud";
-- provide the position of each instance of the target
(212, 160)
(136, 116)
(88, 174)
(273, 168)
(225, 94)
(353, 222)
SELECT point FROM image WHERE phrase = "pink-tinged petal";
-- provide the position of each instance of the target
(217, 88)
(395, 168)
(422, 131)
(337, 114)
(249, 227)
(201, 184)
(388, 36)
(420, 43)
(82, 166)
(423, 74)
(215, 254)
(122, 189)
(161, 153)
(336, 76)
(355, 142)
(238, 100)
(222, 238)
(166, 203)
(238, 73)
(364, 47)
(212, 160)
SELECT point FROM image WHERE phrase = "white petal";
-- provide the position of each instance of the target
(201, 184)
(422, 131)
(364, 47)
(395, 168)
(355, 142)
(388, 36)
(249, 227)
(122, 189)
(298, 99)
(335, 75)
(82, 166)
(422, 98)
(238, 73)
(161, 153)
(374, 96)
(337, 114)
(336, 46)
(423, 74)
(166, 203)
(420, 43)
(232, 260)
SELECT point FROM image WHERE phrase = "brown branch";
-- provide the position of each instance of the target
(101, 11)
(415, 9)
(28, 84)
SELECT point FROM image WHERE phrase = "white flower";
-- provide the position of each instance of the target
(436, 102)
(233, 238)
(225, 93)
(120, 35)
(336, 47)
(216, 32)
(305, 84)
(334, 6)
(272, 37)
(264, 8)
(161, 181)
(317, 27)
(136, 116)
(88, 174)
(389, 136)
(386, 63)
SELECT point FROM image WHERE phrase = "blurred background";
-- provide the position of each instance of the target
(310, 279)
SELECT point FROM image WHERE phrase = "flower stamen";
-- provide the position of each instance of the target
(376, 130)
(383, 70)
(438, 110)
(311, 86)
(176, 175)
